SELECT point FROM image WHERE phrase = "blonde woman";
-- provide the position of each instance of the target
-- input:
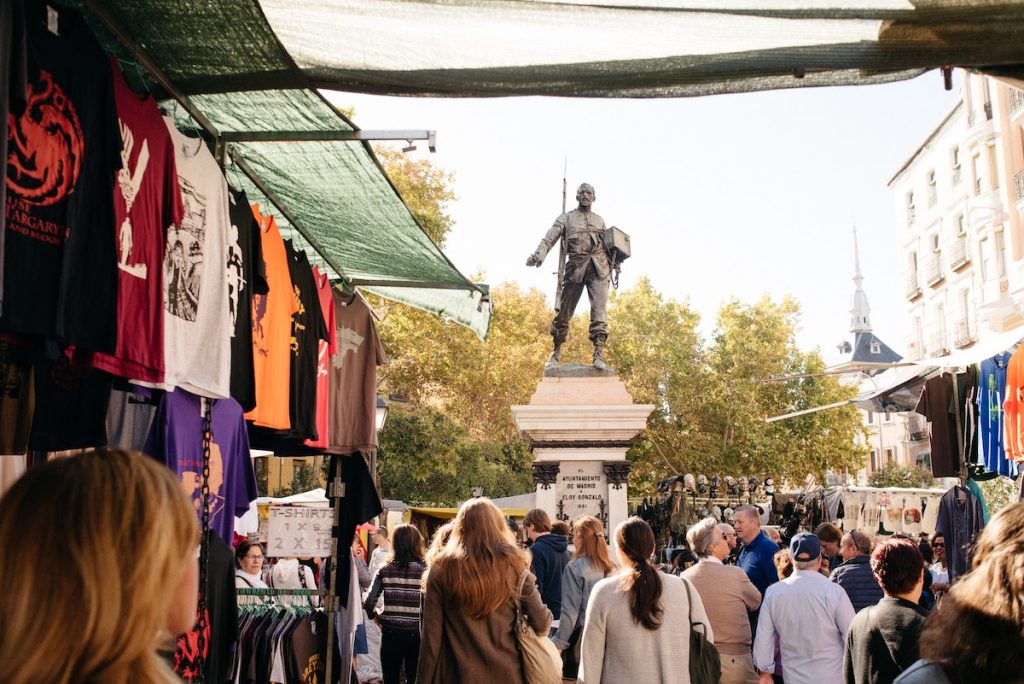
(589, 565)
(98, 564)
(471, 591)
(975, 633)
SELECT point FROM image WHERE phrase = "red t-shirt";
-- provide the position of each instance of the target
(146, 202)
(323, 366)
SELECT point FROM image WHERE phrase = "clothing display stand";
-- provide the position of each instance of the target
(335, 494)
(204, 544)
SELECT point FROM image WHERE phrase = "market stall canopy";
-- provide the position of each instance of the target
(286, 146)
(899, 387)
(637, 48)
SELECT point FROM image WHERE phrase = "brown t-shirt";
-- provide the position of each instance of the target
(353, 387)
(935, 405)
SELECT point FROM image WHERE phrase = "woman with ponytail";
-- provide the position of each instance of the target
(638, 626)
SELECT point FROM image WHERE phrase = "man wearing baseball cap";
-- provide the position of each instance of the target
(810, 615)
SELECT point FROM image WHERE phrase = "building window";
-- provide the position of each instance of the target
(871, 417)
(933, 191)
(888, 417)
(958, 224)
(1000, 254)
(976, 169)
(890, 457)
(993, 171)
(876, 348)
(955, 158)
(874, 460)
(933, 240)
(910, 207)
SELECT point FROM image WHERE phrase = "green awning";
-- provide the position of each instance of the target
(332, 197)
(251, 70)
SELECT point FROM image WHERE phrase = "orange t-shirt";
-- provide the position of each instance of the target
(272, 330)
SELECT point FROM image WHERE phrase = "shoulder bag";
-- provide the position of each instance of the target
(542, 664)
(705, 663)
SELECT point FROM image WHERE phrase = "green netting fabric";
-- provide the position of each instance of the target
(337, 195)
(639, 48)
(451, 305)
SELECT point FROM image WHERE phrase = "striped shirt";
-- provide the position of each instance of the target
(400, 585)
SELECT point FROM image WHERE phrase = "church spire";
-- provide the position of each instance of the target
(860, 312)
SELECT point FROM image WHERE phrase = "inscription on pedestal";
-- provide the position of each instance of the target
(582, 488)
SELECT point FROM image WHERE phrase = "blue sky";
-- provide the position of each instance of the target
(730, 195)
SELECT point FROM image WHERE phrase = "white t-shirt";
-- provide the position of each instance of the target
(197, 324)
(939, 574)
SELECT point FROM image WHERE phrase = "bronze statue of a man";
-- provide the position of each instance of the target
(586, 264)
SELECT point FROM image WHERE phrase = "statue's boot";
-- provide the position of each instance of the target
(553, 359)
(599, 363)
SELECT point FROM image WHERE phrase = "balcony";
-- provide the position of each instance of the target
(963, 334)
(913, 287)
(933, 274)
(937, 345)
(1018, 185)
(959, 255)
(1016, 100)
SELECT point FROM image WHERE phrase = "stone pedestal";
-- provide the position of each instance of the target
(579, 424)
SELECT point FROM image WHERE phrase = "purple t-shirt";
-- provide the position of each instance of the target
(176, 439)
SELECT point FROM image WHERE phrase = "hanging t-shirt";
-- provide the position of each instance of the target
(326, 352)
(308, 329)
(13, 88)
(60, 274)
(360, 504)
(221, 631)
(1013, 405)
(147, 203)
(71, 404)
(991, 394)
(272, 331)
(960, 520)
(934, 405)
(353, 397)
(130, 417)
(247, 276)
(177, 440)
(197, 325)
(967, 387)
(17, 401)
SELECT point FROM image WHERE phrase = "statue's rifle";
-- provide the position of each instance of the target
(561, 243)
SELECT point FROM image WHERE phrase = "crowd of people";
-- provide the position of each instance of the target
(830, 606)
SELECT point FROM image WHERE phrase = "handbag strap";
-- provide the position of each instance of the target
(689, 607)
(519, 594)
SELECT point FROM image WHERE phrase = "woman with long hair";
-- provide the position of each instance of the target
(589, 565)
(976, 633)
(98, 564)
(638, 620)
(471, 591)
(399, 582)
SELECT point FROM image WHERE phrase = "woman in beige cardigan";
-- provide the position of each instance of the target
(637, 627)
(470, 595)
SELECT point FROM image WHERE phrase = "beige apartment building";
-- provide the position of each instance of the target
(959, 201)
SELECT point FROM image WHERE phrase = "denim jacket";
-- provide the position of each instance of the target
(578, 579)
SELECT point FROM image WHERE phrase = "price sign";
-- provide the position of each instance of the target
(299, 531)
